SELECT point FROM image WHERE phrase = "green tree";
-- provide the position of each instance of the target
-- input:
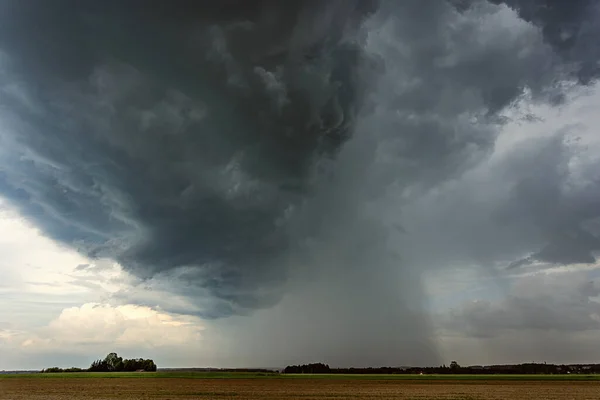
(114, 362)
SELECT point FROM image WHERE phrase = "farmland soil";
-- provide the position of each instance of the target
(282, 389)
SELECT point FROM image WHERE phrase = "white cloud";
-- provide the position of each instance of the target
(78, 335)
(94, 325)
(60, 308)
(41, 277)
(22, 245)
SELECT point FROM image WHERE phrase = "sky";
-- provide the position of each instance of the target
(258, 184)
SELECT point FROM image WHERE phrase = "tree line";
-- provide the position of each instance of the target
(112, 363)
(453, 368)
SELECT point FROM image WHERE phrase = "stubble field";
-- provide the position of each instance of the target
(306, 388)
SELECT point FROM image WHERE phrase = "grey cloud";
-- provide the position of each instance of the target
(561, 303)
(459, 205)
(521, 263)
(159, 159)
(570, 27)
(455, 204)
(557, 202)
(236, 152)
(98, 266)
(535, 202)
(447, 76)
(524, 347)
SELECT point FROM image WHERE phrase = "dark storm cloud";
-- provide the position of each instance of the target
(219, 144)
(445, 103)
(175, 136)
(570, 27)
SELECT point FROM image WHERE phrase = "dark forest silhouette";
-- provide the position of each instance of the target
(453, 368)
(112, 363)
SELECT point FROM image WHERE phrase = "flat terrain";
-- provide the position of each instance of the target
(240, 386)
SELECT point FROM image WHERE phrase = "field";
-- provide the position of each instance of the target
(186, 385)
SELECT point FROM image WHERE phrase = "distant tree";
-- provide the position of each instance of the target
(316, 368)
(99, 366)
(454, 365)
(150, 366)
(114, 362)
(57, 369)
(128, 365)
(52, 370)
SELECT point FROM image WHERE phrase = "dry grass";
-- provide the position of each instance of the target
(281, 389)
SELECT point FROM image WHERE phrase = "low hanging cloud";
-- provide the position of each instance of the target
(229, 154)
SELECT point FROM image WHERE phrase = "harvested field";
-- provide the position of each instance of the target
(30, 388)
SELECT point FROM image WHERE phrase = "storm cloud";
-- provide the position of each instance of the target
(175, 137)
(238, 152)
